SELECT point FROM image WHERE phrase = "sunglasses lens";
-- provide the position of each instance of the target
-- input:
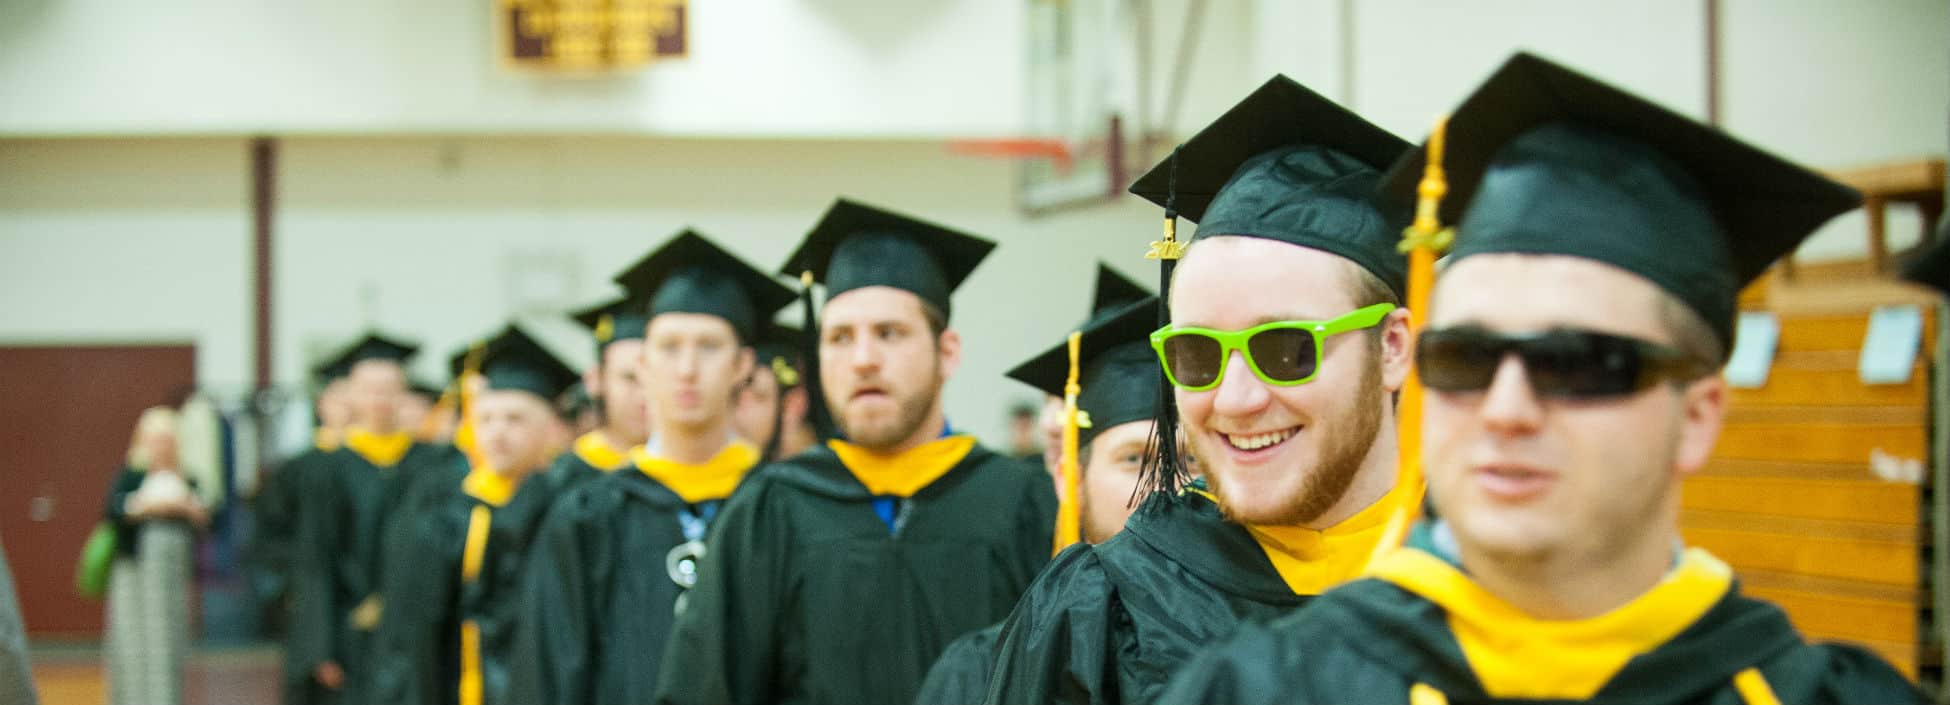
(1457, 361)
(1562, 363)
(1580, 364)
(1194, 359)
(1284, 354)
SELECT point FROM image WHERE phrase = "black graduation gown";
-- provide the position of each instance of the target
(275, 512)
(807, 596)
(347, 528)
(540, 492)
(1110, 623)
(598, 602)
(429, 600)
(961, 675)
(1372, 641)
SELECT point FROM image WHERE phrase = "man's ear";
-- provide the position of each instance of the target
(592, 378)
(949, 345)
(795, 403)
(1704, 410)
(1397, 350)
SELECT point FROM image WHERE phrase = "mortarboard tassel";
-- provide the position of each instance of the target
(1161, 472)
(1421, 241)
(1069, 511)
(470, 369)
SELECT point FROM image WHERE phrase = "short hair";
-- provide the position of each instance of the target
(1689, 330)
(937, 318)
(1368, 290)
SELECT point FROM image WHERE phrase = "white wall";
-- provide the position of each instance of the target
(128, 240)
(756, 68)
(1841, 84)
(428, 230)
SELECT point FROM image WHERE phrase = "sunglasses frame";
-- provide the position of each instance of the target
(1237, 340)
(1657, 363)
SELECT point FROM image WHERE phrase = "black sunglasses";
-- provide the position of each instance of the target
(1561, 363)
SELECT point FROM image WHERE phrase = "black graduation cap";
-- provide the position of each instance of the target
(1113, 291)
(1119, 372)
(372, 346)
(691, 274)
(513, 360)
(1931, 264)
(1291, 165)
(779, 349)
(1545, 160)
(424, 389)
(856, 245)
(610, 321)
(576, 400)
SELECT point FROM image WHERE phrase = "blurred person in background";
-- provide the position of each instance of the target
(156, 513)
(616, 555)
(278, 507)
(1027, 437)
(350, 507)
(453, 594)
(772, 409)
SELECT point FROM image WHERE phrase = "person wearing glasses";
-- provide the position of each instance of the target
(610, 567)
(1284, 348)
(1570, 361)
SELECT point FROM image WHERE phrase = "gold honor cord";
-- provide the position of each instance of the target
(1069, 509)
(470, 368)
(1421, 241)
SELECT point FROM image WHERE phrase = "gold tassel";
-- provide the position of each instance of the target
(1069, 510)
(1169, 248)
(1421, 240)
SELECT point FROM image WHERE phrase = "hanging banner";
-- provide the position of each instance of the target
(590, 35)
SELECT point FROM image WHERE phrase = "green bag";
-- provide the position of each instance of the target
(91, 573)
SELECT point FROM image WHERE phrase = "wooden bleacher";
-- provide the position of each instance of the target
(1790, 499)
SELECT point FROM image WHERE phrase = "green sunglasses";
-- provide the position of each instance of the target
(1281, 353)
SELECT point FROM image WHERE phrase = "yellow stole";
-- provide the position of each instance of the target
(594, 448)
(1311, 561)
(382, 451)
(1517, 656)
(714, 479)
(904, 473)
(494, 489)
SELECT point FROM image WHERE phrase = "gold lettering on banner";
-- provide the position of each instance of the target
(591, 35)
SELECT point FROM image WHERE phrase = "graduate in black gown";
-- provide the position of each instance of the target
(1292, 431)
(774, 407)
(276, 511)
(608, 570)
(1570, 361)
(453, 592)
(616, 386)
(350, 503)
(1116, 409)
(839, 575)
